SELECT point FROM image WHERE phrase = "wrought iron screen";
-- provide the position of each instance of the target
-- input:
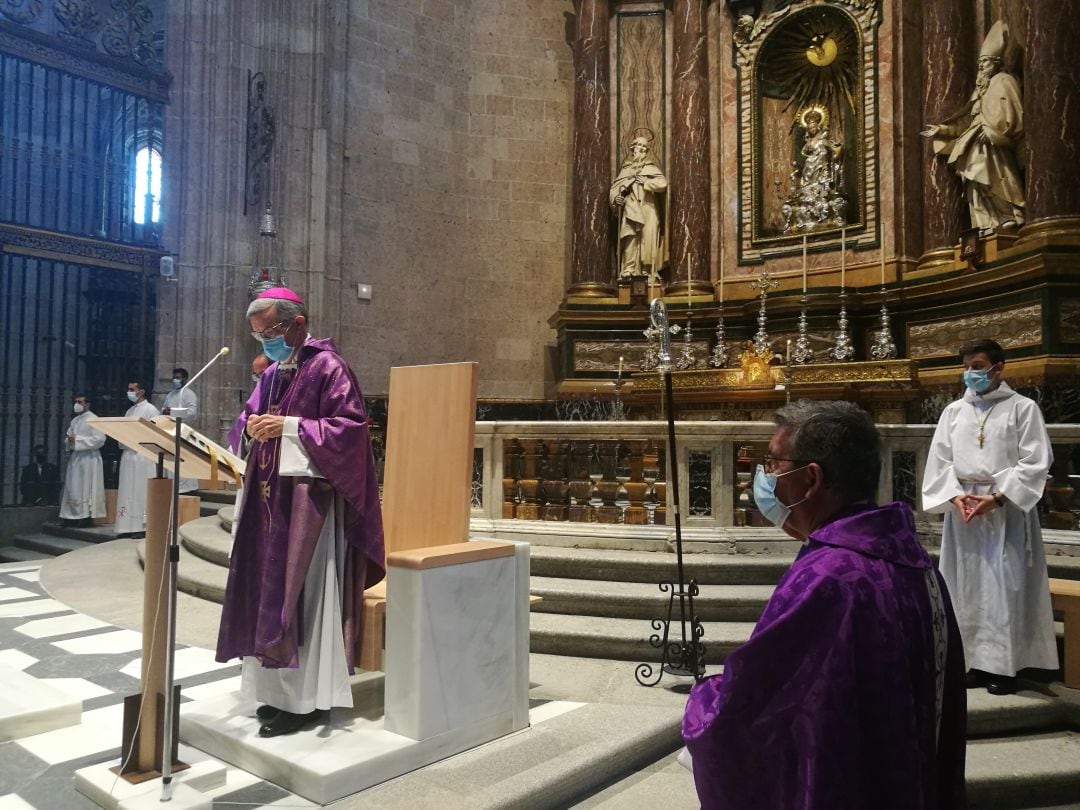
(69, 149)
(79, 241)
(70, 329)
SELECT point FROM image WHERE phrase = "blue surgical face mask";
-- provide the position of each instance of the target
(765, 498)
(133, 396)
(177, 383)
(277, 349)
(978, 379)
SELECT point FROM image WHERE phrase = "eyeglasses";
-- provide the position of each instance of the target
(271, 332)
(770, 463)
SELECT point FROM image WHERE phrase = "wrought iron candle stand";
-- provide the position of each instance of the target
(761, 341)
(843, 350)
(883, 347)
(802, 353)
(686, 654)
(719, 357)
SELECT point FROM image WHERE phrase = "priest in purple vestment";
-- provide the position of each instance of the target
(308, 537)
(850, 691)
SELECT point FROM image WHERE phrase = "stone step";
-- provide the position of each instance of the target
(205, 538)
(1036, 707)
(623, 639)
(642, 600)
(10, 554)
(195, 575)
(226, 514)
(217, 496)
(654, 567)
(49, 544)
(89, 534)
(1023, 771)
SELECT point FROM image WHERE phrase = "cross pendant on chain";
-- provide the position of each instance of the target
(981, 438)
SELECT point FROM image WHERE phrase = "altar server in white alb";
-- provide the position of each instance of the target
(986, 471)
(180, 397)
(135, 470)
(84, 484)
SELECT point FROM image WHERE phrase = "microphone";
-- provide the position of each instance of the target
(224, 350)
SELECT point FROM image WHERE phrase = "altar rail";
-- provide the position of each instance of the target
(615, 472)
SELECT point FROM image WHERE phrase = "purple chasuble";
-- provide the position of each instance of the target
(834, 701)
(282, 516)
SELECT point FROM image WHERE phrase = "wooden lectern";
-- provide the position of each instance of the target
(142, 752)
(427, 477)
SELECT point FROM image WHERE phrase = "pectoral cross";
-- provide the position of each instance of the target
(982, 437)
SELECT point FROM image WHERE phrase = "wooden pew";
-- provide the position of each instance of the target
(1065, 597)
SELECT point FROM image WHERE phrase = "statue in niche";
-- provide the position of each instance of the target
(638, 195)
(980, 142)
(815, 200)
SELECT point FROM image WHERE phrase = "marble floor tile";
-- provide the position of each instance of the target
(212, 689)
(59, 625)
(12, 802)
(16, 659)
(66, 744)
(16, 567)
(79, 688)
(28, 576)
(118, 641)
(187, 662)
(7, 594)
(553, 708)
(34, 607)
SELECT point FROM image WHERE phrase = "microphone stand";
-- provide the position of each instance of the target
(168, 736)
(685, 657)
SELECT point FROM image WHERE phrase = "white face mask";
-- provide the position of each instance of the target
(133, 396)
(78, 408)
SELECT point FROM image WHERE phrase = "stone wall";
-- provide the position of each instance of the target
(423, 148)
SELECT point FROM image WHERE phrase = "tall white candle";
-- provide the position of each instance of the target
(882, 262)
(620, 366)
(804, 264)
(843, 255)
(721, 285)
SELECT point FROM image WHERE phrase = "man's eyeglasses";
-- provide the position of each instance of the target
(770, 463)
(271, 332)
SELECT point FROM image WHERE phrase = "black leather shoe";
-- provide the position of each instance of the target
(1001, 685)
(972, 679)
(266, 712)
(288, 723)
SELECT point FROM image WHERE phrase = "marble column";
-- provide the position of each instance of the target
(688, 177)
(1052, 113)
(949, 59)
(590, 256)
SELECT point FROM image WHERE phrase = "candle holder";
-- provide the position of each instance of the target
(719, 357)
(620, 411)
(763, 284)
(802, 353)
(883, 347)
(651, 357)
(686, 359)
(843, 350)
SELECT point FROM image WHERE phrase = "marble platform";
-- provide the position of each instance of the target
(324, 763)
(30, 706)
(101, 786)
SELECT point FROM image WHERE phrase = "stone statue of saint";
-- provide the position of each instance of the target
(980, 142)
(816, 199)
(638, 195)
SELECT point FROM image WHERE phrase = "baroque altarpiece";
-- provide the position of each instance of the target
(775, 171)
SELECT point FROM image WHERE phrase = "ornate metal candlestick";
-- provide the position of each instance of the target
(802, 353)
(719, 357)
(843, 350)
(883, 347)
(687, 655)
(764, 284)
(686, 357)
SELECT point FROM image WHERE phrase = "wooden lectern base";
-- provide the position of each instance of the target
(129, 766)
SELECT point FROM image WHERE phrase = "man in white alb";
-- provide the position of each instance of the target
(986, 471)
(135, 471)
(180, 397)
(84, 484)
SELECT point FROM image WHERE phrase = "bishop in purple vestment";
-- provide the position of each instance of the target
(308, 539)
(849, 693)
